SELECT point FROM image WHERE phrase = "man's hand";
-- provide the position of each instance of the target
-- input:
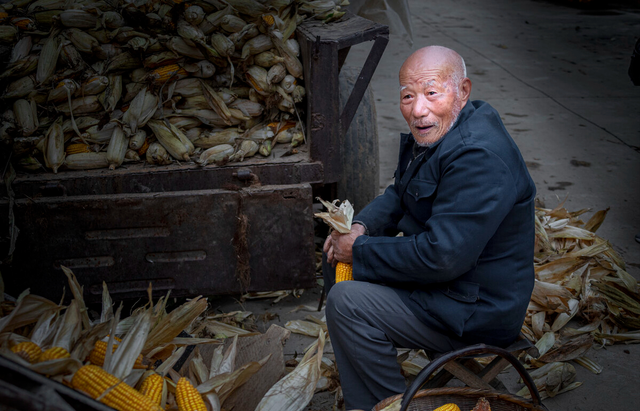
(339, 246)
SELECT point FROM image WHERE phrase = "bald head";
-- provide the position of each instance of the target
(447, 60)
(433, 90)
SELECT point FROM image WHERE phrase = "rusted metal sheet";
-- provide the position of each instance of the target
(186, 241)
(139, 178)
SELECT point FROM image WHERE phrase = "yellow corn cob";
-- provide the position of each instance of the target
(152, 388)
(145, 146)
(100, 349)
(164, 73)
(94, 381)
(28, 350)
(53, 353)
(77, 148)
(268, 19)
(187, 397)
(23, 23)
(448, 407)
(344, 272)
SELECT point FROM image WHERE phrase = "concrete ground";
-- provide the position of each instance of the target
(558, 76)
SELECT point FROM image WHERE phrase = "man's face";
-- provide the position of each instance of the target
(429, 100)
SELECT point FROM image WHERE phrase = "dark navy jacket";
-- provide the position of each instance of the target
(466, 209)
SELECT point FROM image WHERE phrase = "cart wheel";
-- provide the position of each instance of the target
(360, 160)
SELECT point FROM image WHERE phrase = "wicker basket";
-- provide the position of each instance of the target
(466, 398)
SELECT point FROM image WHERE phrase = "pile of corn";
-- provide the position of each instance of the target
(128, 364)
(92, 84)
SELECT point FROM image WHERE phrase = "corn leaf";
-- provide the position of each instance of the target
(171, 325)
(338, 218)
(294, 391)
(76, 290)
(131, 346)
(304, 328)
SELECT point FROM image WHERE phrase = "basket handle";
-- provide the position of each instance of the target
(424, 375)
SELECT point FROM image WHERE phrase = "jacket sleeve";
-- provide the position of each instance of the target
(380, 217)
(475, 193)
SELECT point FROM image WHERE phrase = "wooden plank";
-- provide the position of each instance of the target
(346, 32)
(494, 368)
(320, 61)
(463, 374)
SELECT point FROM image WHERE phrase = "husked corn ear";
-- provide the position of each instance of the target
(268, 19)
(165, 73)
(172, 139)
(258, 44)
(194, 15)
(54, 146)
(21, 49)
(117, 148)
(48, 58)
(222, 44)
(28, 350)
(86, 161)
(267, 59)
(161, 59)
(94, 381)
(276, 73)
(8, 34)
(53, 353)
(181, 47)
(77, 148)
(137, 139)
(20, 88)
(82, 41)
(141, 109)
(187, 397)
(232, 23)
(99, 351)
(152, 388)
(95, 85)
(62, 90)
(157, 154)
(123, 61)
(448, 407)
(344, 272)
(78, 18)
(26, 118)
(216, 154)
(81, 105)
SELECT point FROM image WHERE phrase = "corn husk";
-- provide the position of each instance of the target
(267, 59)
(86, 161)
(21, 50)
(173, 140)
(216, 154)
(294, 391)
(140, 111)
(137, 139)
(54, 146)
(20, 88)
(231, 23)
(170, 325)
(157, 154)
(117, 147)
(26, 116)
(256, 45)
(210, 139)
(78, 18)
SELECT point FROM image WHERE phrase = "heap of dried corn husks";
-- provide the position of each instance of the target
(92, 84)
(579, 276)
(115, 360)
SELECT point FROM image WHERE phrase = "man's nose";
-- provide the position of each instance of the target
(420, 107)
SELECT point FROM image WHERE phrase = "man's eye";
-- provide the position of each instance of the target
(406, 96)
(431, 93)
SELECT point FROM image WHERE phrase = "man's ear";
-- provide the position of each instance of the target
(465, 90)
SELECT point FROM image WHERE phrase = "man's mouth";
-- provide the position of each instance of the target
(423, 129)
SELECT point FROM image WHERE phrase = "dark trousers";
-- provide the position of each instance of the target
(366, 323)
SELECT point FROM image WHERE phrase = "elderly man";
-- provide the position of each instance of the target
(462, 272)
